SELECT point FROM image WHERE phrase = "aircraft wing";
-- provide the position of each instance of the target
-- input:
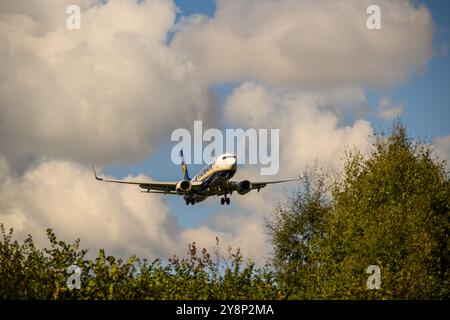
(262, 184)
(165, 187)
(233, 185)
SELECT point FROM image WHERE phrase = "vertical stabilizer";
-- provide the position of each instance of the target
(185, 173)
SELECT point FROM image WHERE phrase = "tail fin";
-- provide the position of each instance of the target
(184, 167)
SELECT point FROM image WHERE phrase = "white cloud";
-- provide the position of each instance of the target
(442, 148)
(387, 110)
(108, 92)
(309, 121)
(65, 196)
(307, 43)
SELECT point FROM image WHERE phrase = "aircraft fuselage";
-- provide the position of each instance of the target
(213, 176)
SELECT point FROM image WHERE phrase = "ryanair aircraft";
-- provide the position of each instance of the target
(213, 180)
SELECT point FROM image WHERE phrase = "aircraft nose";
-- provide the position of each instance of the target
(231, 162)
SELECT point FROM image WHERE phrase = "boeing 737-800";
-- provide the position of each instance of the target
(212, 180)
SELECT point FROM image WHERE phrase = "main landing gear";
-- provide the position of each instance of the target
(224, 200)
(190, 201)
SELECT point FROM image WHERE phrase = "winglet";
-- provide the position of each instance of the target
(95, 174)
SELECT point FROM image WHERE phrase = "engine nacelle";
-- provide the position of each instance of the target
(183, 186)
(244, 187)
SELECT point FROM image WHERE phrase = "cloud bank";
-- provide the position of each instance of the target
(307, 43)
(111, 90)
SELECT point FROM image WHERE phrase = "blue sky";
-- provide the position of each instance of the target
(425, 98)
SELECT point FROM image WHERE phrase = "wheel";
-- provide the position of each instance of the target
(222, 201)
(192, 201)
(187, 202)
(227, 200)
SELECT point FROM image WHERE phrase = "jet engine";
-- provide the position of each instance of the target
(244, 187)
(183, 186)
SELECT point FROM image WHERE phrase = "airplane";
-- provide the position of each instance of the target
(212, 180)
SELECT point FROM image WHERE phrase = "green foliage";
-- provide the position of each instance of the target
(391, 209)
(294, 229)
(31, 273)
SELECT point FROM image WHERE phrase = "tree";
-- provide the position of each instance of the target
(390, 209)
(295, 229)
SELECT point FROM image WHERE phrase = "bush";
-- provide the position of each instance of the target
(31, 273)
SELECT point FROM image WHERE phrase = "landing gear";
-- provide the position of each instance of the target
(190, 201)
(224, 200)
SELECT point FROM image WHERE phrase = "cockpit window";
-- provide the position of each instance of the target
(223, 158)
